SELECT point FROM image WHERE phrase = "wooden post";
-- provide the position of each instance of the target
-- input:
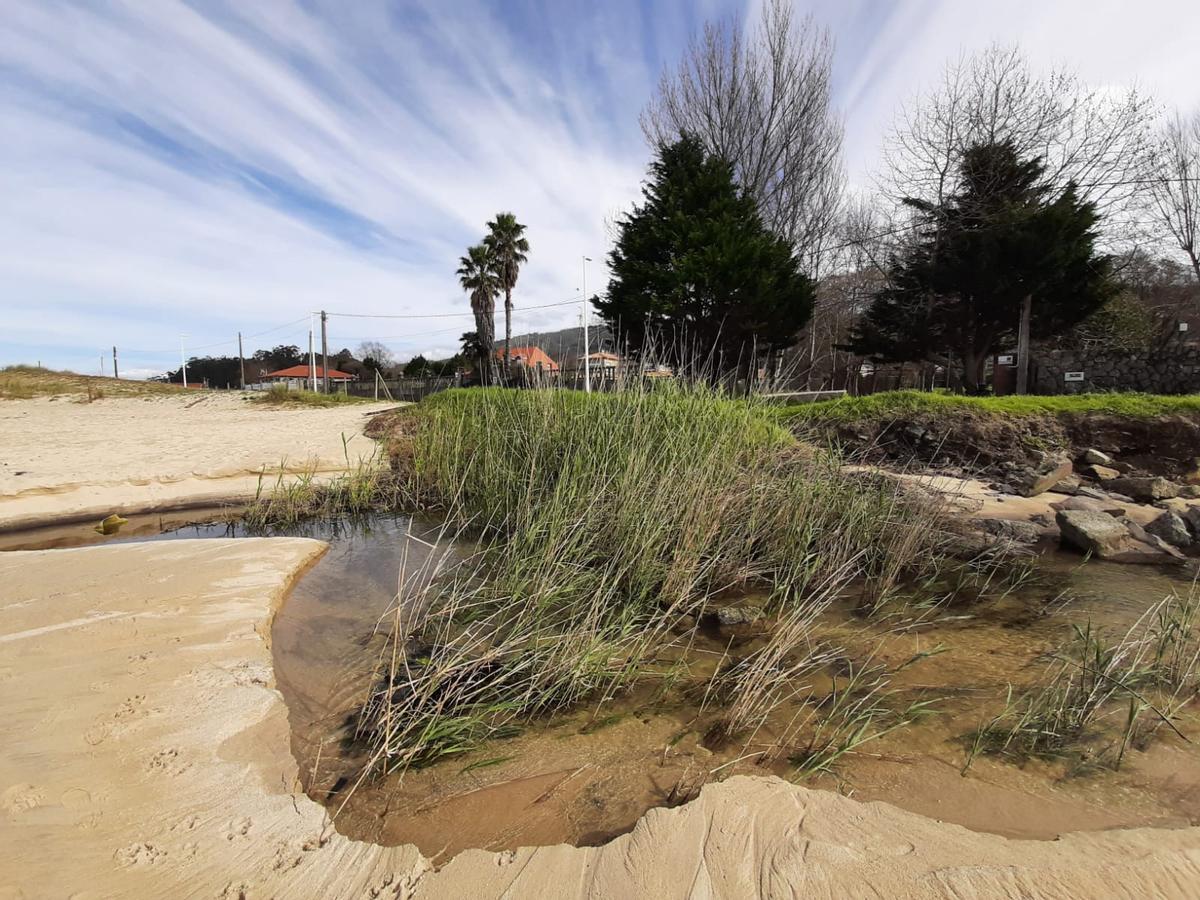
(1023, 345)
(115, 373)
(241, 362)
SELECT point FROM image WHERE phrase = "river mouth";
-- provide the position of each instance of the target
(586, 777)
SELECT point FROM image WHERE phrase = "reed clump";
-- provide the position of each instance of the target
(1099, 696)
(598, 527)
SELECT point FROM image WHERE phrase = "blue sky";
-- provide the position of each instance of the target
(211, 167)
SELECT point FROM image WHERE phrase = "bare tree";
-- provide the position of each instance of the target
(1098, 138)
(762, 102)
(379, 355)
(1175, 187)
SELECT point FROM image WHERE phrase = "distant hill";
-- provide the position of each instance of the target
(566, 344)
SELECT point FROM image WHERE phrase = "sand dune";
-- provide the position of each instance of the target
(62, 460)
(145, 754)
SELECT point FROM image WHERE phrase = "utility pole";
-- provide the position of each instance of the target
(312, 358)
(241, 361)
(587, 354)
(116, 374)
(324, 356)
(183, 359)
(1023, 346)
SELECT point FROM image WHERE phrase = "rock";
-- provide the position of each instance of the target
(1089, 504)
(1036, 481)
(1092, 457)
(1143, 489)
(1192, 517)
(1193, 476)
(1086, 491)
(1113, 539)
(1013, 530)
(739, 615)
(1069, 486)
(1171, 528)
(1190, 491)
(916, 432)
(1003, 488)
(1101, 473)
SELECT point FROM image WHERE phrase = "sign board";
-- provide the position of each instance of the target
(1006, 360)
(1072, 376)
(1183, 326)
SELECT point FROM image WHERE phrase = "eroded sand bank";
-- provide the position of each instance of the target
(65, 460)
(145, 753)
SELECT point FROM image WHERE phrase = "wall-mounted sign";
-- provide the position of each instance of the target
(1006, 360)
(1072, 376)
(1183, 326)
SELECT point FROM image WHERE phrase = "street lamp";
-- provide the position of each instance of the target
(587, 361)
(183, 358)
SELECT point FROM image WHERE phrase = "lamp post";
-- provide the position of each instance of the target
(587, 355)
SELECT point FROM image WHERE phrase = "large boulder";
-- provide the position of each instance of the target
(1143, 489)
(1171, 527)
(1043, 477)
(1106, 537)
(1090, 504)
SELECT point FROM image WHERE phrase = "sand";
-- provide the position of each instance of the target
(62, 460)
(145, 754)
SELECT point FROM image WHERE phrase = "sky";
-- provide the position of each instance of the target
(206, 168)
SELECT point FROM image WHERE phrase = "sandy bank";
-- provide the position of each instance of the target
(145, 753)
(64, 460)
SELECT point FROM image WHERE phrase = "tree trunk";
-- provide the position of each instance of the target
(507, 326)
(1023, 345)
(970, 371)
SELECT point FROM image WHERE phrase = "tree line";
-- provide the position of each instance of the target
(1013, 206)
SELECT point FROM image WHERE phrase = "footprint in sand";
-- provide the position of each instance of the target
(21, 798)
(238, 828)
(139, 854)
(167, 762)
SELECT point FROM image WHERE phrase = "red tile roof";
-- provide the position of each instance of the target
(304, 372)
(530, 356)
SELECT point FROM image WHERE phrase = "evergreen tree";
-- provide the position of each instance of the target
(694, 264)
(998, 239)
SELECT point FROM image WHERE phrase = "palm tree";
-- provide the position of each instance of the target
(477, 275)
(509, 248)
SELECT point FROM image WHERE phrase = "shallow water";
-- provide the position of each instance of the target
(586, 777)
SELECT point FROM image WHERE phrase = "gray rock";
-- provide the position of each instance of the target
(1036, 481)
(1190, 491)
(1090, 504)
(1192, 517)
(1019, 532)
(1069, 486)
(739, 615)
(1113, 539)
(1143, 489)
(1171, 528)
(1093, 457)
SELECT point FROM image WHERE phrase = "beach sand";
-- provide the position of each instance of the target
(145, 754)
(62, 460)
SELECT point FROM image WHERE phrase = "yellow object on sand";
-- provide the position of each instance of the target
(111, 525)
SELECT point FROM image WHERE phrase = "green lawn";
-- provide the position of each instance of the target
(900, 404)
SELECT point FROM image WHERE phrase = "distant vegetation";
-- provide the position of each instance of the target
(23, 382)
(279, 395)
(902, 404)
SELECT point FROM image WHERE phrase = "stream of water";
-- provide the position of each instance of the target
(586, 777)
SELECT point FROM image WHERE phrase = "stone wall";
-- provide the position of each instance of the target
(1172, 369)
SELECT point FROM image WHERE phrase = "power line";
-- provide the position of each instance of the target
(446, 315)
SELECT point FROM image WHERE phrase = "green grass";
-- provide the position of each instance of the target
(904, 404)
(599, 523)
(22, 382)
(279, 395)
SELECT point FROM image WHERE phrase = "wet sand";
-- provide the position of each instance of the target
(145, 753)
(63, 460)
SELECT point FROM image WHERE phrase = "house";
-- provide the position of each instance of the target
(600, 361)
(533, 358)
(297, 377)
